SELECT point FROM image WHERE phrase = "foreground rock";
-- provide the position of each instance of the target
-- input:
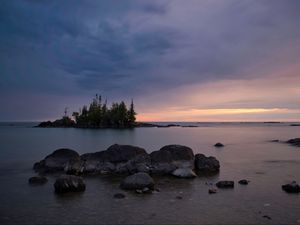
(206, 164)
(138, 181)
(292, 187)
(58, 160)
(69, 183)
(184, 173)
(225, 184)
(117, 159)
(37, 180)
(295, 142)
(170, 158)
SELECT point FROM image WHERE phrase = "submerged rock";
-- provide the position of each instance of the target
(184, 173)
(295, 142)
(206, 164)
(212, 191)
(137, 181)
(219, 145)
(225, 184)
(37, 180)
(244, 182)
(119, 196)
(69, 183)
(57, 161)
(170, 158)
(292, 187)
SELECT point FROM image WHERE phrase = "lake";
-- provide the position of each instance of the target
(248, 154)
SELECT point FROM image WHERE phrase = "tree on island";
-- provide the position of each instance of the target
(98, 114)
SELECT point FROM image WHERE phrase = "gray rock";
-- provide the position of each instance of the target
(206, 164)
(57, 161)
(37, 180)
(137, 181)
(292, 187)
(69, 183)
(225, 184)
(184, 173)
(171, 157)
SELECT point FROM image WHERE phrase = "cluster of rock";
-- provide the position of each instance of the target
(177, 160)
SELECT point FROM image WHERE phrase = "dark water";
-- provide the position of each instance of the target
(247, 154)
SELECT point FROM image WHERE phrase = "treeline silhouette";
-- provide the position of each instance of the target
(98, 114)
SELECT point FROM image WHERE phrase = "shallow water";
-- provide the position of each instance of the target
(248, 154)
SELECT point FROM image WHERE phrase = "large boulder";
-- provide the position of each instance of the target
(170, 158)
(184, 173)
(137, 181)
(292, 187)
(57, 161)
(206, 164)
(117, 159)
(69, 183)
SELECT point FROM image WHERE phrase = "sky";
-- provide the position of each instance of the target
(194, 60)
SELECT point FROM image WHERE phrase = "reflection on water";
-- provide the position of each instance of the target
(247, 154)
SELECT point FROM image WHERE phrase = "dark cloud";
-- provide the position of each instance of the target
(133, 48)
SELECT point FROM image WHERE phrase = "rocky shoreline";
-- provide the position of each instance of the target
(135, 164)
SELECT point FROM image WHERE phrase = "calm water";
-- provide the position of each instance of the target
(247, 154)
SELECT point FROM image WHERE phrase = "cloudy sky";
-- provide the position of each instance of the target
(194, 60)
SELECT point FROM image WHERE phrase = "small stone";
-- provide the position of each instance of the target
(146, 190)
(219, 145)
(38, 180)
(267, 205)
(212, 191)
(119, 196)
(179, 197)
(244, 182)
(225, 184)
(267, 217)
(139, 191)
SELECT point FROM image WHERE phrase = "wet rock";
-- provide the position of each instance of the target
(37, 180)
(267, 217)
(119, 196)
(244, 182)
(212, 191)
(137, 181)
(225, 184)
(171, 157)
(294, 142)
(292, 187)
(184, 173)
(219, 145)
(179, 197)
(57, 161)
(69, 183)
(206, 164)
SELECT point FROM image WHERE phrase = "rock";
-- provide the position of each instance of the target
(219, 145)
(117, 159)
(206, 164)
(244, 182)
(64, 122)
(139, 191)
(179, 197)
(137, 181)
(294, 142)
(37, 180)
(57, 161)
(171, 157)
(225, 184)
(184, 173)
(119, 196)
(267, 217)
(69, 183)
(292, 187)
(275, 140)
(212, 191)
